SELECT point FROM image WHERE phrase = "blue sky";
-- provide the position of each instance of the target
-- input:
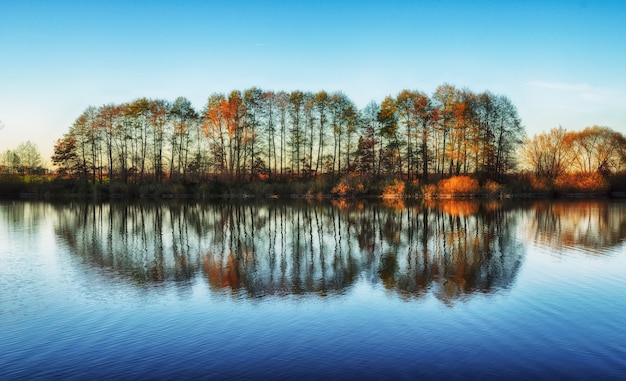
(560, 62)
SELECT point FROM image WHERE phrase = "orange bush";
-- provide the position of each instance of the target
(348, 186)
(458, 185)
(582, 182)
(429, 190)
(395, 189)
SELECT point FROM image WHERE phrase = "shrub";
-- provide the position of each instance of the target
(394, 190)
(429, 190)
(581, 183)
(458, 185)
(491, 187)
(348, 186)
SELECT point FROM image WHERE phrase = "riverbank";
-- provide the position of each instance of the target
(348, 187)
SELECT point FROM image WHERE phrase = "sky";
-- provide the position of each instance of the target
(562, 63)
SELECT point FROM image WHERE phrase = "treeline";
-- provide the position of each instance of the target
(257, 135)
(578, 161)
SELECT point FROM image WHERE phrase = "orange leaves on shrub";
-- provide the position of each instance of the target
(581, 182)
(429, 190)
(394, 190)
(348, 186)
(458, 185)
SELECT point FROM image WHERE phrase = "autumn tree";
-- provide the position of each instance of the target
(596, 148)
(547, 154)
(184, 119)
(388, 120)
(427, 117)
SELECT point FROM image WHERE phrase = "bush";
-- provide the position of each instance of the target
(349, 186)
(458, 185)
(491, 187)
(582, 183)
(394, 190)
(429, 190)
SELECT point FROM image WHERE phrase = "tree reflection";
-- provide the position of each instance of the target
(449, 249)
(593, 226)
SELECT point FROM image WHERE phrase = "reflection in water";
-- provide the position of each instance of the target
(592, 226)
(450, 248)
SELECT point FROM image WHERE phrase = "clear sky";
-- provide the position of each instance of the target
(560, 62)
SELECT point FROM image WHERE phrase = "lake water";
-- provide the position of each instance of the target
(291, 289)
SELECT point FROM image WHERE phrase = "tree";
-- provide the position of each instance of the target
(322, 101)
(159, 120)
(253, 99)
(388, 120)
(10, 162)
(371, 128)
(596, 148)
(296, 109)
(29, 157)
(547, 154)
(184, 117)
(508, 134)
(66, 158)
(405, 105)
(427, 117)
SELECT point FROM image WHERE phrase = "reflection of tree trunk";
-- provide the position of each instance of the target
(456, 248)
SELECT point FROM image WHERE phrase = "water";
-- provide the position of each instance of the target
(448, 290)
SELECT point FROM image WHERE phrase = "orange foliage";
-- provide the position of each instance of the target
(458, 185)
(349, 185)
(394, 190)
(581, 182)
(429, 190)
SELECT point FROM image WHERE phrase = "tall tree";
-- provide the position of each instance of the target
(388, 120)
(184, 116)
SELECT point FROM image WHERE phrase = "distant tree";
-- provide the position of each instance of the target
(29, 156)
(10, 162)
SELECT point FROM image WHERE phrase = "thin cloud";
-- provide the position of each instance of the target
(561, 86)
(584, 90)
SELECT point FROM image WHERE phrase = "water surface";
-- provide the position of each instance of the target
(453, 290)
